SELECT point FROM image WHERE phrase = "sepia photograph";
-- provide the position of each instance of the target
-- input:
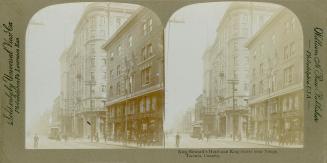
(97, 82)
(111, 76)
(163, 81)
(234, 76)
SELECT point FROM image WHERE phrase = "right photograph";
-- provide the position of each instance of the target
(234, 77)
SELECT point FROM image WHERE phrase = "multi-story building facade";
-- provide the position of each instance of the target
(83, 69)
(135, 85)
(276, 65)
(226, 68)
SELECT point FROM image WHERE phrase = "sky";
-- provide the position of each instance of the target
(185, 46)
(49, 34)
(186, 41)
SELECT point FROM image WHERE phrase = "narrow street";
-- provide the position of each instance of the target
(45, 143)
(185, 142)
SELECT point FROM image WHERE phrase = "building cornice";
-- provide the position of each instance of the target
(288, 90)
(123, 27)
(273, 19)
(158, 87)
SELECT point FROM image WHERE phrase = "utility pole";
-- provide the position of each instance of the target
(233, 82)
(108, 20)
(91, 83)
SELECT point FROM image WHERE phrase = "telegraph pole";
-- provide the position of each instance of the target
(233, 82)
(91, 83)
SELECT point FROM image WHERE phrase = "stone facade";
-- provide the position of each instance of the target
(135, 85)
(276, 65)
(83, 69)
(226, 68)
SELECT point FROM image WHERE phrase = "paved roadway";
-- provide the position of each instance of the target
(185, 142)
(45, 143)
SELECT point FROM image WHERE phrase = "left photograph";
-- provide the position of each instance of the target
(94, 77)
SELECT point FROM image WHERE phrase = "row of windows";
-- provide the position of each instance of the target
(288, 76)
(93, 61)
(147, 52)
(145, 104)
(147, 26)
(91, 88)
(121, 89)
(147, 29)
(103, 76)
(289, 103)
(289, 50)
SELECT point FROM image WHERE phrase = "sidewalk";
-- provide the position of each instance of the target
(261, 142)
(115, 143)
(188, 142)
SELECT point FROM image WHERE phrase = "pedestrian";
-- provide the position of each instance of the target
(105, 136)
(200, 136)
(97, 137)
(138, 142)
(177, 140)
(207, 136)
(65, 137)
(36, 141)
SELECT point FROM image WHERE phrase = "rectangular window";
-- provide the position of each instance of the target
(148, 103)
(102, 20)
(118, 22)
(288, 75)
(261, 88)
(273, 38)
(92, 104)
(141, 105)
(118, 70)
(111, 75)
(111, 91)
(103, 88)
(262, 49)
(293, 24)
(144, 53)
(119, 50)
(145, 75)
(290, 102)
(145, 29)
(286, 52)
(104, 76)
(292, 49)
(118, 88)
(154, 103)
(93, 33)
(287, 29)
(92, 48)
(149, 50)
(93, 61)
(92, 90)
(296, 102)
(93, 21)
(150, 25)
(112, 56)
(253, 89)
(104, 62)
(92, 76)
(130, 41)
(261, 68)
